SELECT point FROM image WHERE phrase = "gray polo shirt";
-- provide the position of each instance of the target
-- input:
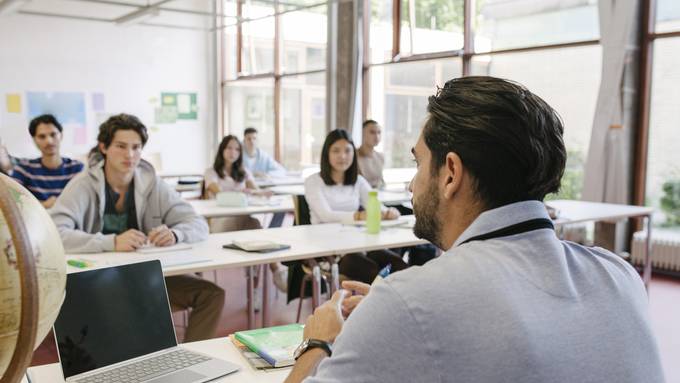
(524, 308)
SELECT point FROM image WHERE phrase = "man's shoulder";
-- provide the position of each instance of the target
(72, 163)
(28, 164)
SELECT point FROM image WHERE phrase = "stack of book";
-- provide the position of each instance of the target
(269, 348)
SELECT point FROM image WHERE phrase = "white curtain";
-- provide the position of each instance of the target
(607, 170)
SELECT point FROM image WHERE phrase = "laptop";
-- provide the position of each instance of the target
(116, 326)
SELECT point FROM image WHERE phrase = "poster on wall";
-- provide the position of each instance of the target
(67, 107)
(13, 102)
(184, 103)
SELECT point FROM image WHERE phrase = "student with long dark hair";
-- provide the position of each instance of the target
(229, 174)
(336, 193)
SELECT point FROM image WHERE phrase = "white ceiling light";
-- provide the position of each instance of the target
(10, 6)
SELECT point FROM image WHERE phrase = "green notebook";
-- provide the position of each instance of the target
(274, 344)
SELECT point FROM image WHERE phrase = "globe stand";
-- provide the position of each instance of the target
(28, 325)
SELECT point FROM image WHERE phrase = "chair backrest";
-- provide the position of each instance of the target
(302, 214)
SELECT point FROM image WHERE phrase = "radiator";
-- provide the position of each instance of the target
(665, 250)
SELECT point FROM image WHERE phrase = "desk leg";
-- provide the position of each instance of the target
(316, 286)
(265, 295)
(251, 287)
(335, 278)
(647, 271)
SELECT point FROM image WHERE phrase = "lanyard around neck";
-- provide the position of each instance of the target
(518, 228)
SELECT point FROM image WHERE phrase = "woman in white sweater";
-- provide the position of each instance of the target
(336, 194)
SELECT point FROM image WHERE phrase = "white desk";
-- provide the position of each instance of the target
(387, 197)
(308, 241)
(220, 348)
(276, 204)
(279, 181)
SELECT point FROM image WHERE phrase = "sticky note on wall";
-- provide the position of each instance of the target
(13, 103)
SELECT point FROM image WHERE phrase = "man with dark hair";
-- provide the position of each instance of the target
(120, 204)
(371, 162)
(508, 301)
(47, 175)
(259, 163)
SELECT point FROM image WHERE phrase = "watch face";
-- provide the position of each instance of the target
(301, 348)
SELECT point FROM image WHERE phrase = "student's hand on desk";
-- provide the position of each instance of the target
(131, 240)
(161, 236)
(326, 322)
(356, 293)
(390, 213)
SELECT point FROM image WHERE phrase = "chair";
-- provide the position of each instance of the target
(301, 274)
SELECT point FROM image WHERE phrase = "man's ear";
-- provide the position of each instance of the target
(452, 173)
(102, 148)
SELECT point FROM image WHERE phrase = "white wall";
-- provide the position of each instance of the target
(129, 65)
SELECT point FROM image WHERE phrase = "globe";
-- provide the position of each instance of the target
(44, 243)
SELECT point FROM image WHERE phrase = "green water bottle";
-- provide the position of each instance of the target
(373, 213)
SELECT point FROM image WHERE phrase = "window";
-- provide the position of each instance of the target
(304, 40)
(303, 118)
(258, 38)
(663, 161)
(251, 103)
(299, 81)
(503, 24)
(380, 34)
(667, 15)
(399, 100)
(431, 26)
(568, 80)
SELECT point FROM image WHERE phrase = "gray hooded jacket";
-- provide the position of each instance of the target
(79, 210)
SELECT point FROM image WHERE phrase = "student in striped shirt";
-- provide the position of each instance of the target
(47, 175)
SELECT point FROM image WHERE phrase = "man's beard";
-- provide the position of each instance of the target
(428, 225)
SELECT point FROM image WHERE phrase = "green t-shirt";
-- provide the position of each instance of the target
(116, 222)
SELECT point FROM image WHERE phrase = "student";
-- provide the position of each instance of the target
(47, 175)
(371, 162)
(120, 204)
(509, 301)
(228, 174)
(336, 194)
(259, 163)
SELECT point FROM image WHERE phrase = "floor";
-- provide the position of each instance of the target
(664, 309)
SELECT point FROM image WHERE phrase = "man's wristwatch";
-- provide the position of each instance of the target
(309, 344)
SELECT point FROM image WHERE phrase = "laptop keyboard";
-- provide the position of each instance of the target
(146, 369)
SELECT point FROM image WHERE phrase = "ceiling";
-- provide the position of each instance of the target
(183, 14)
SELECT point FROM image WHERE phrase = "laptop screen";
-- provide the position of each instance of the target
(111, 315)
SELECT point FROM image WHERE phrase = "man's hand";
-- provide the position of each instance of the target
(131, 240)
(357, 292)
(48, 203)
(161, 236)
(327, 320)
(390, 213)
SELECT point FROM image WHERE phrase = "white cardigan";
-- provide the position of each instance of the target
(335, 203)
